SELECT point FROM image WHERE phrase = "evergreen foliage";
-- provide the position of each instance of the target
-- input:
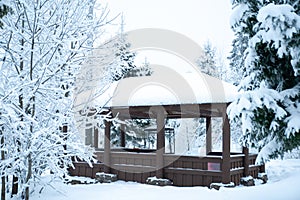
(124, 57)
(144, 70)
(136, 136)
(207, 61)
(267, 51)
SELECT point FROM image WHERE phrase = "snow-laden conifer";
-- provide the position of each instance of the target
(269, 102)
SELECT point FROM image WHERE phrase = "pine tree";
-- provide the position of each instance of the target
(237, 60)
(242, 22)
(136, 135)
(144, 70)
(269, 106)
(124, 57)
(207, 61)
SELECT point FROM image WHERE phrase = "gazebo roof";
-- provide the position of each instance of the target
(165, 89)
(185, 95)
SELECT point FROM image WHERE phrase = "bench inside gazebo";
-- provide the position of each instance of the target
(210, 99)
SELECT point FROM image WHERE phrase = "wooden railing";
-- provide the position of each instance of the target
(238, 167)
(237, 161)
(193, 170)
(182, 170)
(83, 169)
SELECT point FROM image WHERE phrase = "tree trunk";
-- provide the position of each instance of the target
(3, 188)
(15, 179)
(14, 185)
(3, 181)
(29, 173)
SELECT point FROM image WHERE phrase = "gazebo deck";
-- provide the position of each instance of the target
(182, 170)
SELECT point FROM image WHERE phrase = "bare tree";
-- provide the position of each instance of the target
(43, 45)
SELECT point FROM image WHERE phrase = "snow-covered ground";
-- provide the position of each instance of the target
(284, 181)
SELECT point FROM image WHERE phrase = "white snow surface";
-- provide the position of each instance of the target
(283, 183)
(170, 89)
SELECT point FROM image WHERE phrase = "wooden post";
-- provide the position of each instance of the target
(160, 144)
(96, 137)
(89, 136)
(208, 135)
(246, 161)
(122, 135)
(262, 168)
(226, 150)
(107, 147)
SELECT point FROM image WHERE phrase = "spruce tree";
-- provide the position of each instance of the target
(143, 70)
(124, 57)
(269, 105)
(207, 61)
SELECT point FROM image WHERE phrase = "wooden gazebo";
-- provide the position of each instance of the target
(210, 98)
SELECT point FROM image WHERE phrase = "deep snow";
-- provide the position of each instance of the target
(284, 181)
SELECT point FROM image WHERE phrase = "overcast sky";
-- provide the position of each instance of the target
(200, 20)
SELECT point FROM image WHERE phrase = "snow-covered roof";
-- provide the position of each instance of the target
(168, 89)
